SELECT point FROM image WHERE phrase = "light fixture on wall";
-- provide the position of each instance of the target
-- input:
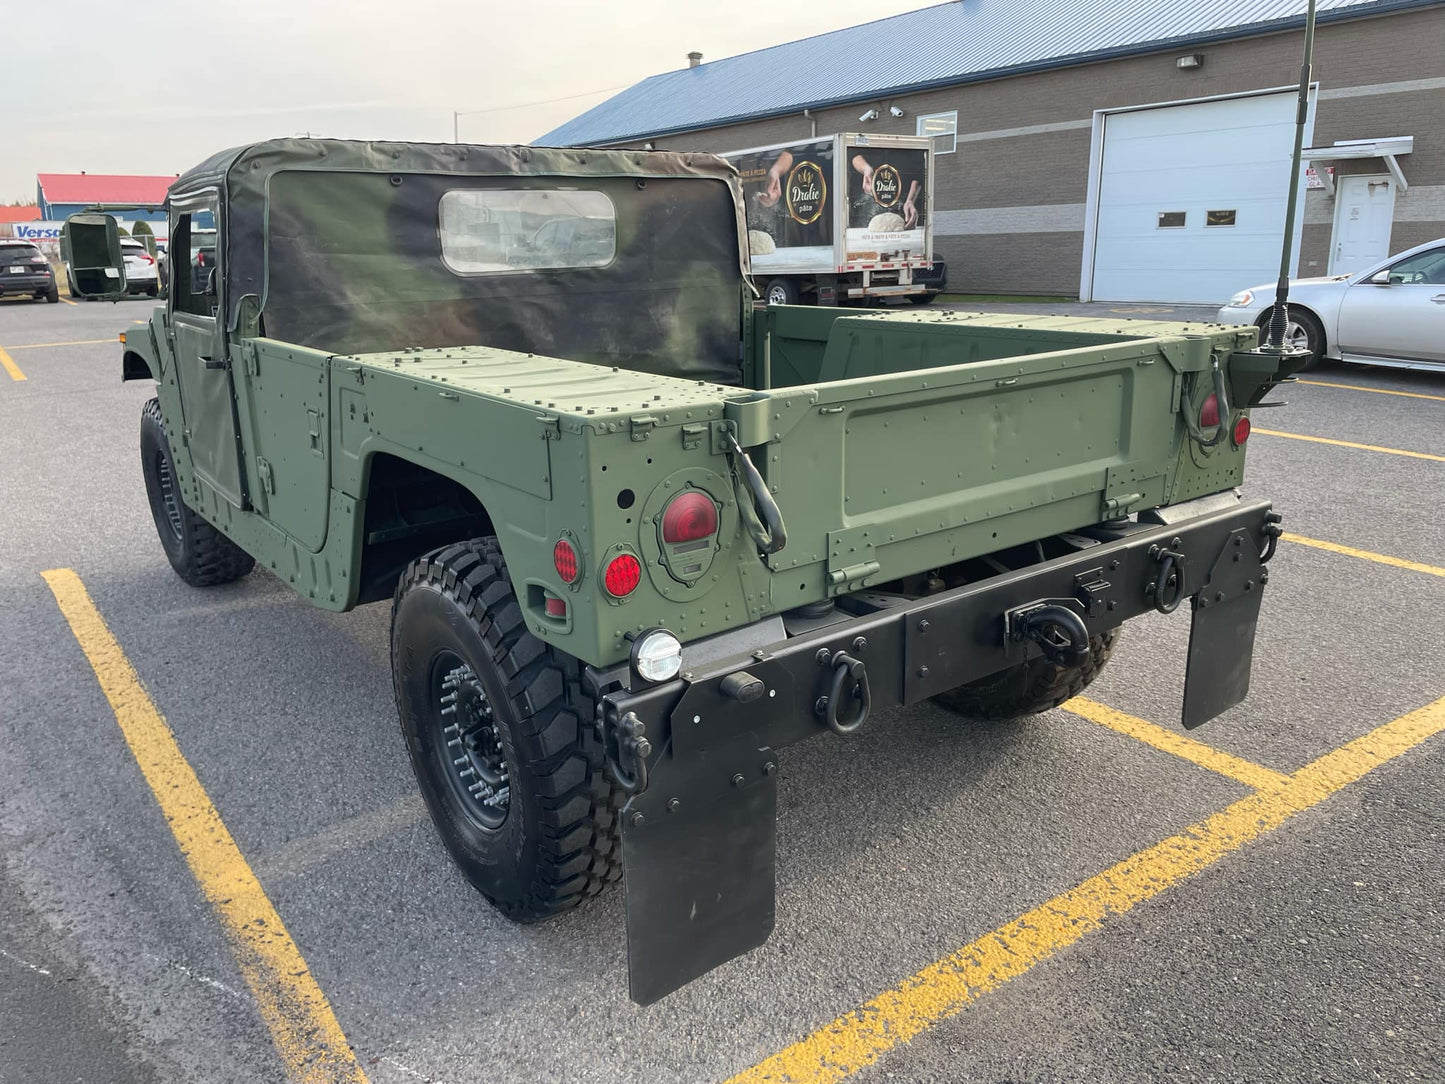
(871, 114)
(1192, 60)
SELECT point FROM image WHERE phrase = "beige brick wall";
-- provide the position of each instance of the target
(1050, 169)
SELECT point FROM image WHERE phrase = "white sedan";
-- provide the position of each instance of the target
(1391, 313)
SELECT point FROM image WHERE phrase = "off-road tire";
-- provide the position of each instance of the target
(1030, 687)
(558, 843)
(200, 554)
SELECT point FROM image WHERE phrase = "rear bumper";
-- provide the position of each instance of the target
(697, 833)
(26, 284)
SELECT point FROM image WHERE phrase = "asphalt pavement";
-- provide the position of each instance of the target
(1310, 946)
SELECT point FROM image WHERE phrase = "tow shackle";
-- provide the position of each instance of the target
(849, 683)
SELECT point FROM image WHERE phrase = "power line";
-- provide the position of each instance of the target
(545, 101)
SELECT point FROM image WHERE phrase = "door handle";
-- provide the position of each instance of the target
(209, 363)
(1439, 299)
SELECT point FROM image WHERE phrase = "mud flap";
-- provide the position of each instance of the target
(698, 857)
(1221, 648)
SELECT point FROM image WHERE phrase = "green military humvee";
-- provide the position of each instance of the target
(639, 533)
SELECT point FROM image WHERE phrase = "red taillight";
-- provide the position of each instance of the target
(564, 559)
(1241, 431)
(689, 517)
(1209, 413)
(148, 259)
(200, 259)
(553, 606)
(623, 575)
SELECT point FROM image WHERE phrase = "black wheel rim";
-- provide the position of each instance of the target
(167, 483)
(468, 743)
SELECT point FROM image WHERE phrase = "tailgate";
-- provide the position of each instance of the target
(882, 474)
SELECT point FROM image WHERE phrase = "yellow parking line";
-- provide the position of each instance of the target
(1376, 391)
(73, 342)
(67, 301)
(1196, 752)
(1366, 555)
(1352, 444)
(946, 988)
(8, 364)
(303, 1027)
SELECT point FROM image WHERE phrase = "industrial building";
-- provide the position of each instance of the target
(1120, 150)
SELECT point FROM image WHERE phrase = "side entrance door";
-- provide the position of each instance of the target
(1364, 213)
(207, 398)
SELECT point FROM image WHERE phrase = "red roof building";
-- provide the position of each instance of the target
(61, 194)
(19, 214)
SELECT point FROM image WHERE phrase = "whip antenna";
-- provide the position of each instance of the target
(1278, 316)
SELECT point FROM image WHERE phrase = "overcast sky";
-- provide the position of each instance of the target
(154, 86)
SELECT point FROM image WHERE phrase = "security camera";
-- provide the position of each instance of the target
(872, 114)
(893, 109)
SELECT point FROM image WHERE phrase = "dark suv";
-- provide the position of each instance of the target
(25, 270)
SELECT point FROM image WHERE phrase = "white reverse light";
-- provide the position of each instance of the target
(657, 655)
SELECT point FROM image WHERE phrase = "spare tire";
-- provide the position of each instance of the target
(1030, 687)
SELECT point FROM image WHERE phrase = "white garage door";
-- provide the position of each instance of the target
(1192, 199)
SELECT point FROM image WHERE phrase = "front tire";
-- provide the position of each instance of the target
(500, 737)
(200, 554)
(1030, 687)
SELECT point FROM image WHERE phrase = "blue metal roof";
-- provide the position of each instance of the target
(958, 42)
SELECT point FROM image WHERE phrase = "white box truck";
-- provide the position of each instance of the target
(841, 218)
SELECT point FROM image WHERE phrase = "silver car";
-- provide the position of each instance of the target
(1391, 313)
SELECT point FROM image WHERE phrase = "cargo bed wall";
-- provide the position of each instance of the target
(811, 345)
(892, 472)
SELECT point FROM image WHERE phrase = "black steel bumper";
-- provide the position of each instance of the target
(699, 753)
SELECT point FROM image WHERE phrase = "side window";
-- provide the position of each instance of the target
(487, 230)
(194, 269)
(1421, 269)
(943, 127)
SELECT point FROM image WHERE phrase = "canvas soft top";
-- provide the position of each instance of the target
(245, 176)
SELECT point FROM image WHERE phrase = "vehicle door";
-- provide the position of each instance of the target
(199, 342)
(1399, 312)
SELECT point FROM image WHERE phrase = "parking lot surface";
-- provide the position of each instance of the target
(1087, 895)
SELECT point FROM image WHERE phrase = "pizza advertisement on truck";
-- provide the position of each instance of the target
(887, 202)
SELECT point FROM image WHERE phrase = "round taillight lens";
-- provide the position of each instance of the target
(564, 559)
(624, 573)
(689, 516)
(1241, 431)
(1209, 413)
